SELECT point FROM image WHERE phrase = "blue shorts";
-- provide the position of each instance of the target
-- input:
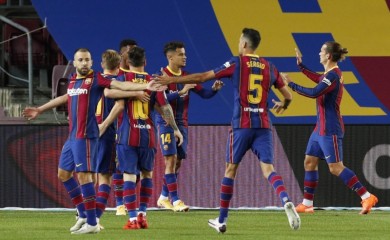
(240, 140)
(79, 155)
(106, 156)
(329, 148)
(168, 142)
(132, 160)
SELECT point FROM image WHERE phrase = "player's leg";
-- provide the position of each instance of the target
(65, 175)
(169, 186)
(178, 205)
(309, 185)
(313, 154)
(262, 147)
(85, 158)
(105, 168)
(128, 164)
(333, 151)
(146, 166)
(236, 147)
(181, 150)
(117, 181)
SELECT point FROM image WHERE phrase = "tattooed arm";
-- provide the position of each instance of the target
(167, 114)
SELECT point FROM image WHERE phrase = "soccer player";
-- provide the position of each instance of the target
(252, 78)
(326, 140)
(136, 140)
(79, 151)
(106, 164)
(178, 96)
(117, 178)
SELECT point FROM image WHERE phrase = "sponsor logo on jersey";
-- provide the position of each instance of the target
(249, 109)
(77, 91)
(227, 64)
(142, 126)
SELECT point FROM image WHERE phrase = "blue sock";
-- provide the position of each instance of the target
(88, 191)
(226, 195)
(276, 182)
(101, 200)
(73, 189)
(145, 193)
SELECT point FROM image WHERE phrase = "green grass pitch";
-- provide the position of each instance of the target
(243, 224)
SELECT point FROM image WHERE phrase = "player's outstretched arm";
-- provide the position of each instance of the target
(191, 78)
(167, 113)
(119, 94)
(32, 112)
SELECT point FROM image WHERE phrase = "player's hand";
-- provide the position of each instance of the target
(30, 113)
(155, 86)
(178, 136)
(102, 129)
(163, 79)
(143, 96)
(187, 87)
(298, 55)
(218, 84)
(278, 106)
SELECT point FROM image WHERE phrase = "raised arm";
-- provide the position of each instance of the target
(32, 112)
(323, 87)
(315, 77)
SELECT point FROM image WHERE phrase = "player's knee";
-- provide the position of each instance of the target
(64, 176)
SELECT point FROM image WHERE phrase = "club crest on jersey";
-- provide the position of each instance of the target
(88, 81)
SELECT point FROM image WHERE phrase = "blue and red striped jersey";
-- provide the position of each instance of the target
(328, 93)
(178, 103)
(252, 79)
(83, 96)
(137, 128)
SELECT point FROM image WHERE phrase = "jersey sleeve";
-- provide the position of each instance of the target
(102, 81)
(204, 92)
(327, 84)
(315, 77)
(278, 83)
(225, 70)
(161, 98)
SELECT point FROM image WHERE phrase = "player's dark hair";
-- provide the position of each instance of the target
(137, 56)
(127, 42)
(336, 51)
(253, 36)
(172, 46)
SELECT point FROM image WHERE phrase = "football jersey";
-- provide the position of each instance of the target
(83, 96)
(178, 103)
(137, 128)
(252, 79)
(328, 94)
